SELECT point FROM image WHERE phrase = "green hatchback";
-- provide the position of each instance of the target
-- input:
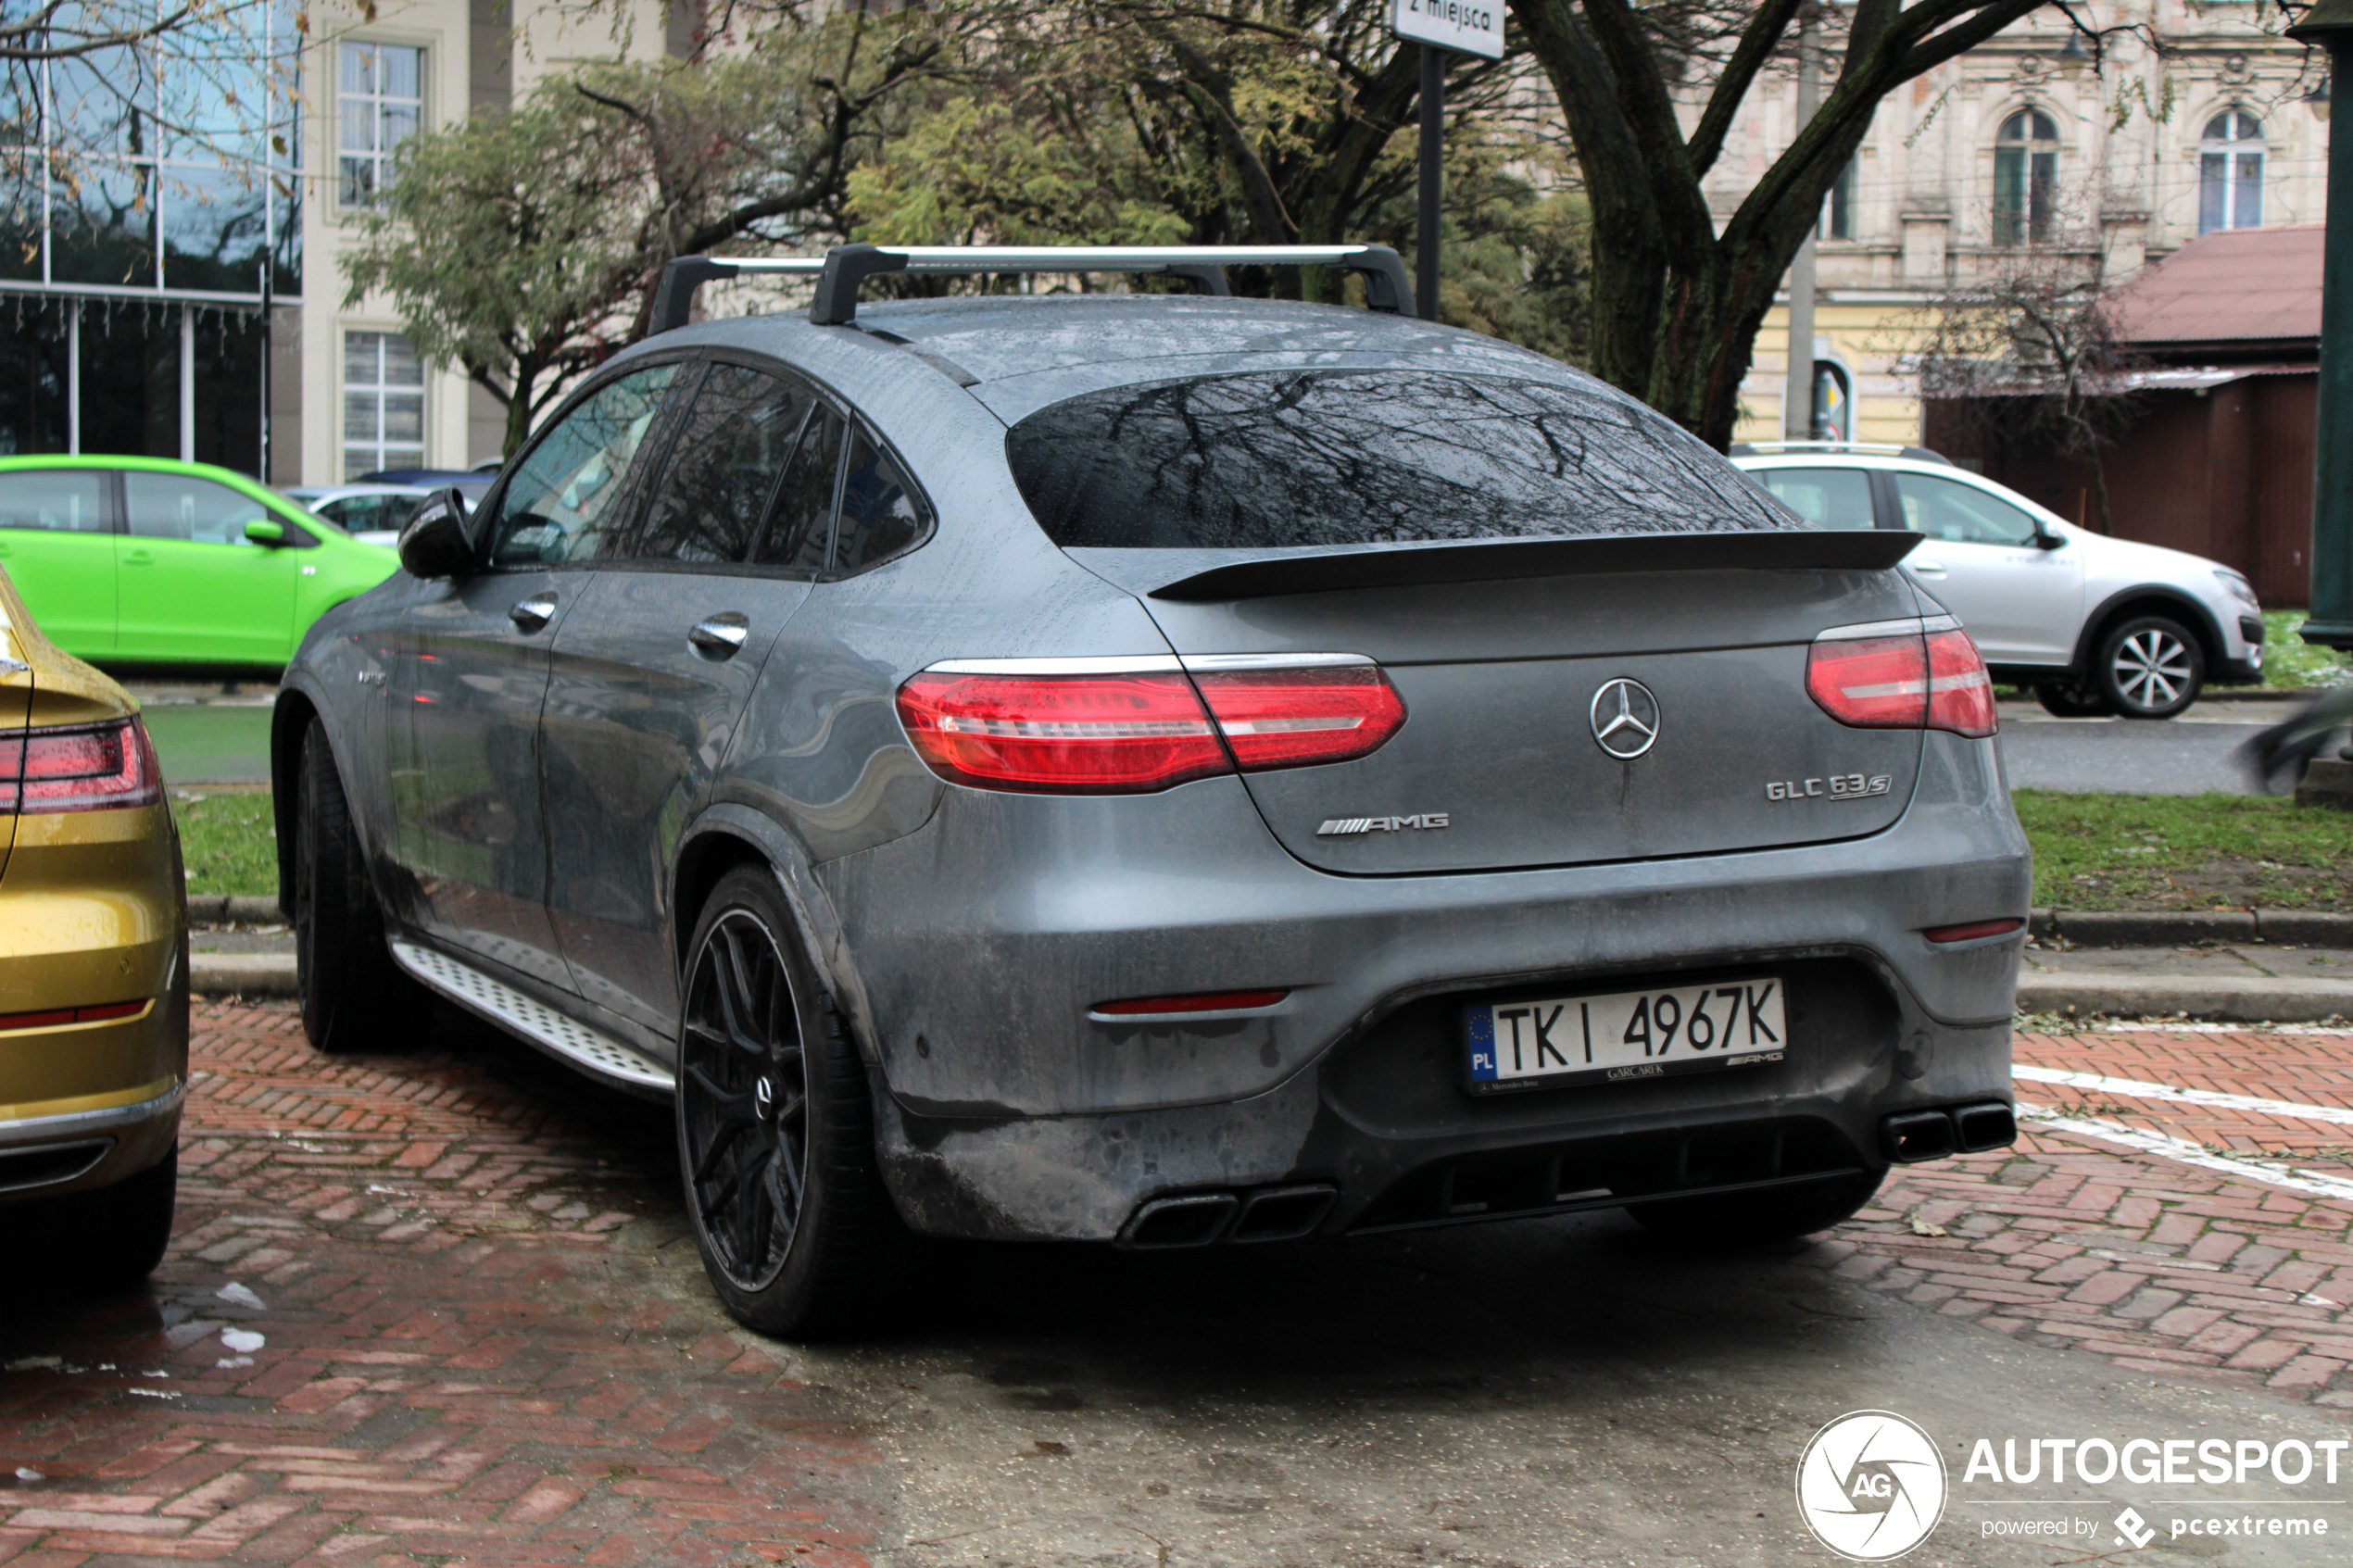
(143, 560)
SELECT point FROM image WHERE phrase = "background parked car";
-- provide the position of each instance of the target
(93, 968)
(472, 484)
(145, 562)
(2094, 624)
(370, 513)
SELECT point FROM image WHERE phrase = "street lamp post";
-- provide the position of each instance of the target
(2330, 24)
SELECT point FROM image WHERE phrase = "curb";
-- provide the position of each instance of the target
(242, 974)
(2202, 997)
(2170, 928)
(215, 909)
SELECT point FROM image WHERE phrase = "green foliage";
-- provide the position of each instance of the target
(2173, 851)
(229, 842)
(2289, 661)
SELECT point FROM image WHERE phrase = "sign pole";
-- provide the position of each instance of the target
(1433, 181)
(2330, 24)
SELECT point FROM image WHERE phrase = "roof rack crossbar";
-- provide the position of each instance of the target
(845, 270)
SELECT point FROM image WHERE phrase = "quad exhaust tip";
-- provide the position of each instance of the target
(1937, 1134)
(1204, 1219)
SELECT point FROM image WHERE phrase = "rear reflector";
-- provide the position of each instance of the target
(51, 1018)
(1910, 682)
(1204, 1001)
(1973, 930)
(1133, 733)
(79, 768)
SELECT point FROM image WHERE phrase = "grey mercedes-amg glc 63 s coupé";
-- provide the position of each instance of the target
(1166, 770)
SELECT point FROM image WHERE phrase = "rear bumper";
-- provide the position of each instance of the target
(1006, 1111)
(75, 1150)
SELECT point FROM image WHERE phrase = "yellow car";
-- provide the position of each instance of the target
(94, 964)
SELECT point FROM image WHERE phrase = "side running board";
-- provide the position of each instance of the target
(600, 1055)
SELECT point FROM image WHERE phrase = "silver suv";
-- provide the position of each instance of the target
(2093, 624)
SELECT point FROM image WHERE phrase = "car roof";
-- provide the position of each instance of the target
(1015, 352)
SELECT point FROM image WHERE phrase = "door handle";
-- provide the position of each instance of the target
(138, 558)
(720, 635)
(1927, 568)
(534, 613)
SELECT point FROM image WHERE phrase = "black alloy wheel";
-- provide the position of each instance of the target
(775, 1139)
(2150, 666)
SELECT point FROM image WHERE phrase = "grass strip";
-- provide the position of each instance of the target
(229, 841)
(2186, 851)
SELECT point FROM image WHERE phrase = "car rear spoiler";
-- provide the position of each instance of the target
(1497, 560)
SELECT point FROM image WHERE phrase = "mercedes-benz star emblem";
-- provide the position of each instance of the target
(1624, 719)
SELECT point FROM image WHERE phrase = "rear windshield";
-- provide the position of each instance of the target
(1282, 458)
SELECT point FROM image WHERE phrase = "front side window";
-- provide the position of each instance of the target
(2025, 179)
(1962, 514)
(171, 506)
(55, 501)
(380, 92)
(2230, 173)
(569, 488)
(1322, 458)
(1837, 498)
(383, 403)
(723, 468)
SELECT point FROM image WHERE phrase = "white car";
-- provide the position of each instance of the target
(2093, 624)
(370, 513)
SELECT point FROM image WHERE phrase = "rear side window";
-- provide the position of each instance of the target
(171, 506)
(1825, 497)
(723, 468)
(569, 488)
(53, 500)
(881, 514)
(1292, 457)
(800, 524)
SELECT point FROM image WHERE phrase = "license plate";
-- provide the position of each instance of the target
(1625, 1035)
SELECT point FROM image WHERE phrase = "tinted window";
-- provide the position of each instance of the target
(171, 506)
(881, 515)
(1943, 508)
(60, 500)
(1825, 497)
(569, 487)
(801, 522)
(723, 468)
(1344, 458)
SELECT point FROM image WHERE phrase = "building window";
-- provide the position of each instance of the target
(381, 94)
(2025, 175)
(383, 403)
(1838, 210)
(2230, 173)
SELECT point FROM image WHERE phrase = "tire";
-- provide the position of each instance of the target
(354, 997)
(113, 1236)
(776, 1131)
(1774, 1215)
(2150, 666)
(2070, 700)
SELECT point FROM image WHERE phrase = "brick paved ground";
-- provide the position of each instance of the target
(2155, 1265)
(485, 1339)
(469, 1351)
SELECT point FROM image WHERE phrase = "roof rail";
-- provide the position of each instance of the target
(1885, 449)
(845, 267)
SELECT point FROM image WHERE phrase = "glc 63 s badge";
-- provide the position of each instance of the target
(1838, 786)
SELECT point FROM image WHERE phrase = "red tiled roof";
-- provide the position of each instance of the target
(2235, 284)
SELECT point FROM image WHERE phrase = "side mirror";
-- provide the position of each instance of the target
(433, 541)
(266, 530)
(2044, 541)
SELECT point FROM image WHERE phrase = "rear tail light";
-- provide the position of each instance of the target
(79, 768)
(1134, 732)
(1914, 681)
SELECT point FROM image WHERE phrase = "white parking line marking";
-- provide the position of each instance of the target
(2134, 1088)
(2313, 1182)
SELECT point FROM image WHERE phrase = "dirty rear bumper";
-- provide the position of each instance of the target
(1009, 1107)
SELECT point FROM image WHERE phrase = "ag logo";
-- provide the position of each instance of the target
(1870, 1486)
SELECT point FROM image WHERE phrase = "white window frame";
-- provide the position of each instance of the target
(387, 454)
(379, 157)
(2231, 150)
